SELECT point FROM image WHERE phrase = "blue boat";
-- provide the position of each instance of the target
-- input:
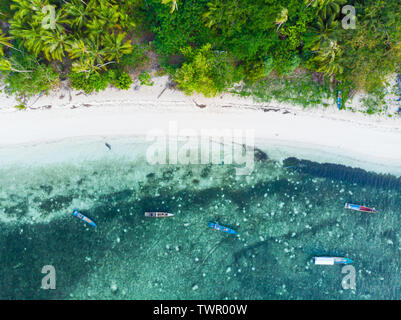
(221, 228)
(339, 98)
(331, 260)
(84, 218)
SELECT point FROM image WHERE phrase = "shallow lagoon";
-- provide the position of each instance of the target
(285, 213)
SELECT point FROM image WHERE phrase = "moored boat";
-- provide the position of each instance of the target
(331, 260)
(221, 228)
(339, 99)
(83, 218)
(158, 214)
(357, 207)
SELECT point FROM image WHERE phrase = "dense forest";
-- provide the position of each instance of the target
(207, 46)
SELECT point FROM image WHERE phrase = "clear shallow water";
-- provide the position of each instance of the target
(284, 217)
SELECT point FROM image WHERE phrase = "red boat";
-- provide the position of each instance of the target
(357, 207)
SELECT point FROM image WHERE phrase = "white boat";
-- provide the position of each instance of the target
(158, 214)
(329, 261)
(357, 207)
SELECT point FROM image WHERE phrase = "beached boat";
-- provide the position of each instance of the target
(158, 214)
(221, 228)
(83, 218)
(331, 260)
(339, 99)
(357, 207)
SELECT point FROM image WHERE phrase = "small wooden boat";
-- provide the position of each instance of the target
(158, 214)
(221, 228)
(357, 207)
(329, 261)
(339, 100)
(83, 218)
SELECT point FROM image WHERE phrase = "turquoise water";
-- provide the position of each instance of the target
(285, 213)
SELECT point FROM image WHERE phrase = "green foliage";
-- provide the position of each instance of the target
(299, 90)
(285, 62)
(4, 41)
(206, 45)
(136, 58)
(20, 106)
(374, 102)
(99, 81)
(123, 81)
(178, 29)
(89, 83)
(373, 49)
(5, 10)
(29, 77)
(145, 79)
(90, 32)
(206, 71)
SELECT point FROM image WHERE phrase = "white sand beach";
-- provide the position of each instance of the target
(319, 134)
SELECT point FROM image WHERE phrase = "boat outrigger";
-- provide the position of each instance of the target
(158, 214)
(221, 228)
(83, 217)
(331, 260)
(357, 207)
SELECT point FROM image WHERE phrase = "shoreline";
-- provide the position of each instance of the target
(317, 134)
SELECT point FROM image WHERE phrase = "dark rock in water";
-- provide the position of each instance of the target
(57, 202)
(205, 172)
(168, 175)
(260, 155)
(117, 196)
(150, 175)
(195, 181)
(47, 189)
(390, 234)
(291, 162)
(341, 172)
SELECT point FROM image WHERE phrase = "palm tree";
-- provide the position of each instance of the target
(5, 65)
(23, 8)
(79, 13)
(282, 18)
(331, 8)
(328, 58)
(115, 47)
(88, 56)
(55, 45)
(174, 5)
(211, 16)
(31, 38)
(96, 28)
(314, 3)
(110, 15)
(324, 31)
(4, 41)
